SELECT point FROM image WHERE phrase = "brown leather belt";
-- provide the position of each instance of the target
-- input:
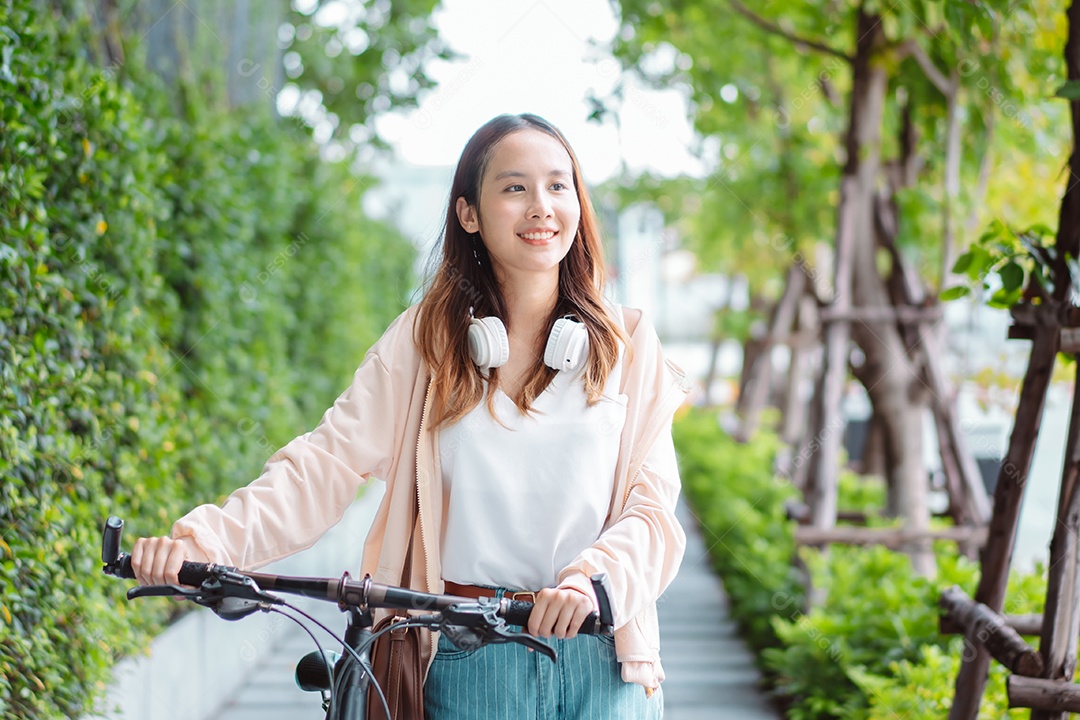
(475, 592)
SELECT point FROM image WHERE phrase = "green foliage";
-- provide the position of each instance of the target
(1069, 91)
(157, 341)
(923, 689)
(861, 493)
(1008, 264)
(870, 647)
(741, 509)
(772, 113)
(875, 611)
(361, 61)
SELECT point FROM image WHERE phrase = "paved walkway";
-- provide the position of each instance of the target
(710, 674)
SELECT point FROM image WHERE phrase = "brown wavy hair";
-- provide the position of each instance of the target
(464, 278)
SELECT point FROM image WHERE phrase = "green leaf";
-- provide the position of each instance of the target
(955, 293)
(956, 16)
(981, 262)
(1070, 90)
(962, 263)
(1005, 299)
(1012, 276)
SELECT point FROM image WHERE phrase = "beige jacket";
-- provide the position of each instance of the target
(378, 429)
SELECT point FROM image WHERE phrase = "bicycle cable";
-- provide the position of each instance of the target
(318, 645)
(364, 665)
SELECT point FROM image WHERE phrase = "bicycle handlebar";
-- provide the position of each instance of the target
(344, 591)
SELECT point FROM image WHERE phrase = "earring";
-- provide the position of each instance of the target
(476, 239)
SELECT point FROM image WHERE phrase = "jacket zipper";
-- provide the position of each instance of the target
(419, 514)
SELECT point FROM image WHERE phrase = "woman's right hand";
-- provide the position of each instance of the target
(157, 560)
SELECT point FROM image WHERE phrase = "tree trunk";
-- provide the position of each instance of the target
(886, 354)
(715, 342)
(854, 228)
(795, 416)
(754, 379)
(901, 414)
(759, 378)
(874, 462)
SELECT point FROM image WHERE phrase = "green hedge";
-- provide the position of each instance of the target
(180, 293)
(870, 647)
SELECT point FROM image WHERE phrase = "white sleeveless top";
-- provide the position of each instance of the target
(526, 498)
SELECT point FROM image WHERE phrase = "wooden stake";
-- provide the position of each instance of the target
(780, 328)
(889, 537)
(1029, 625)
(826, 461)
(795, 413)
(985, 628)
(1054, 696)
(997, 556)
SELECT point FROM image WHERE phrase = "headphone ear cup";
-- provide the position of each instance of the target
(489, 347)
(567, 346)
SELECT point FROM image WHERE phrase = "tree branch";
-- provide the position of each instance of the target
(912, 47)
(772, 27)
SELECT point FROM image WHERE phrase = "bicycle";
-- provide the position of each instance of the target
(345, 681)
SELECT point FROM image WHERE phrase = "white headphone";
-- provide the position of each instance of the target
(567, 345)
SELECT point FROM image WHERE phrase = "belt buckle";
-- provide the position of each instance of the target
(531, 594)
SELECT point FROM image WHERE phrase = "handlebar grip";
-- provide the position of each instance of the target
(110, 539)
(193, 573)
(518, 612)
(122, 568)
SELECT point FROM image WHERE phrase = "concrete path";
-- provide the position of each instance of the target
(710, 674)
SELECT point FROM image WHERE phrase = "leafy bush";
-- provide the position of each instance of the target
(740, 507)
(157, 335)
(870, 647)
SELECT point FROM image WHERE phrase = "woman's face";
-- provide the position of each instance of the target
(528, 210)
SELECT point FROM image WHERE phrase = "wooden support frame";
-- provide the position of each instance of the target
(894, 538)
(1052, 326)
(800, 513)
(900, 313)
(1061, 617)
(1008, 495)
(1046, 695)
(982, 626)
(1029, 625)
(781, 327)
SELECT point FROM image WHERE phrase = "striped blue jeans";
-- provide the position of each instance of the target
(504, 681)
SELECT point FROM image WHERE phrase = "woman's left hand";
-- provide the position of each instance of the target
(559, 612)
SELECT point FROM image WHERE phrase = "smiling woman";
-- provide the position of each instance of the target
(525, 468)
(521, 230)
(527, 214)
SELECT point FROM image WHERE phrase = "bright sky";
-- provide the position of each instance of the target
(542, 57)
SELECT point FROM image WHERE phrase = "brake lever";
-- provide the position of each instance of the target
(162, 591)
(229, 594)
(533, 643)
(472, 625)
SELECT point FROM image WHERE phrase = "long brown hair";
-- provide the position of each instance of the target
(464, 278)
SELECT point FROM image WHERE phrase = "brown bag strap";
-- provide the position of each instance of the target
(398, 661)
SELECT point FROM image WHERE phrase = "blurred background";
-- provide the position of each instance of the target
(209, 210)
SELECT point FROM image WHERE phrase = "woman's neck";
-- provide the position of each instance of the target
(529, 303)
